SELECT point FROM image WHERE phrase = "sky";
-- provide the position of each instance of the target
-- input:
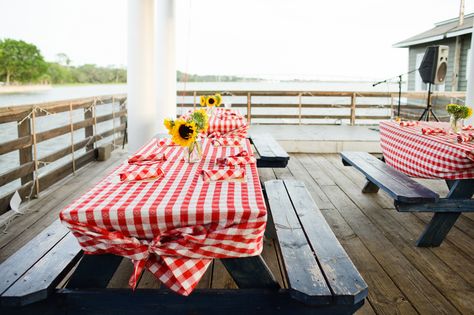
(278, 39)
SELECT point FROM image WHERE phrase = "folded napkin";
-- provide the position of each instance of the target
(465, 137)
(468, 127)
(234, 174)
(147, 159)
(137, 172)
(433, 131)
(242, 158)
(226, 142)
(408, 123)
(165, 142)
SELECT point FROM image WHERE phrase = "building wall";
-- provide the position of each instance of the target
(451, 42)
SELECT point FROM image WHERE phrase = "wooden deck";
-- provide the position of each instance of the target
(402, 278)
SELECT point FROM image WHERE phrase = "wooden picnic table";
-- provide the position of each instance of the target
(422, 150)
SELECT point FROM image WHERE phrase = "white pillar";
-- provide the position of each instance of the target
(470, 79)
(142, 110)
(165, 48)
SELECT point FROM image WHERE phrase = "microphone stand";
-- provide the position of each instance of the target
(399, 87)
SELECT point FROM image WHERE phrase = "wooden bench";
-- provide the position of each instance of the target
(320, 276)
(318, 270)
(270, 153)
(411, 196)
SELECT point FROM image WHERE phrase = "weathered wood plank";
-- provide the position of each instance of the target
(270, 152)
(26, 154)
(14, 267)
(305, 279)
(342, 276)
(39, 281)
(398, 185)
(250, 273)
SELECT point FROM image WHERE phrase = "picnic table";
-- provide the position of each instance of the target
(422, 150)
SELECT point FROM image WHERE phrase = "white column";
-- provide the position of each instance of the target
(470, 80)
(142, 110)
(165, 50)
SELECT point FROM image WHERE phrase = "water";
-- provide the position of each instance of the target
(71, 92)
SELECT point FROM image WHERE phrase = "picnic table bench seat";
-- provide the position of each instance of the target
(270, 153)
(411, 196)
(320, 277)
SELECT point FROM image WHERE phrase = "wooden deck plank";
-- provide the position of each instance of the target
(376, 237)
(456, 289)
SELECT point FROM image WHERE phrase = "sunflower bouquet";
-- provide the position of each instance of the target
(457, 114)
(184, 132)
(211, 101)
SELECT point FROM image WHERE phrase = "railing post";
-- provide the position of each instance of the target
(26, 154)
(194, 100)
(249, 110)
(353, 109)
(89, 130)
(299, 108)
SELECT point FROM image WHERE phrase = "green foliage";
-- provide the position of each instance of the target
(20, 61)
(61, 74)
(459, 111)
(181, 76)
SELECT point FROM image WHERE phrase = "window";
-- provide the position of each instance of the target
(419, 85)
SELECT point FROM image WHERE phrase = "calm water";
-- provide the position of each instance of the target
(71, 92)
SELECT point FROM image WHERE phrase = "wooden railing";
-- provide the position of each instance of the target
(321, 107)
(43, 143)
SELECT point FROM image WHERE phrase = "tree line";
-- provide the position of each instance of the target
(22, 62)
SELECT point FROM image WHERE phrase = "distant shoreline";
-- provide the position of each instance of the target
(6, 89)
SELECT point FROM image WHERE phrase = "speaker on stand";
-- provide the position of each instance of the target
(433, 69)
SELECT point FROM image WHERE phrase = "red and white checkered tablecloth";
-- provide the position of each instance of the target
(426, 156)
(176, 225)
(225, 123)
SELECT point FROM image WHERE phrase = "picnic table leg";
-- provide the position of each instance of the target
(250, 273)
(442, 222)
(94, 271)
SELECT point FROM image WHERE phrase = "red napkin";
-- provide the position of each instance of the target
(136, 172)
(408, 123)
(226, 142)
(165, 142)
(234, 174)
(465, 137)
(241, 158)
(468, 127)
(433, 131)
(147, 159)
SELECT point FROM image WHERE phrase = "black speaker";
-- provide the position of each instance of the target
(434, 65)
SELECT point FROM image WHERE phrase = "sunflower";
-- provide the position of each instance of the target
(203, 100)
(169, 123)
(184, 133)
(469, 112)
(218, 99)
(211, 101)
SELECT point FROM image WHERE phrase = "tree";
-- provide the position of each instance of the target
(20, 61)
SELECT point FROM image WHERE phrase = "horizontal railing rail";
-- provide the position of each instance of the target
(320, 107)
(43, 143)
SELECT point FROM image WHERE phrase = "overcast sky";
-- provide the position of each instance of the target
(271, 38)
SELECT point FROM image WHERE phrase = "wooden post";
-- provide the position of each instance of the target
(71, 126)
(249, 111)
(26, 154)
(194, 100)
(457, 51)
(89, 130)
(353, 109)
(35, 149)
(113, 120)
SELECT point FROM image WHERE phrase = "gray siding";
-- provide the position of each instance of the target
(451, 42)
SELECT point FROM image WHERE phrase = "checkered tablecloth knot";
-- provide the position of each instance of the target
(147, 159)
(408, 123)
(141, 172)
(223, 174)
(433, 131)
(465, 137)
(241, 158)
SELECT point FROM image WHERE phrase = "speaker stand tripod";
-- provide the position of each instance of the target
(428, 110)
